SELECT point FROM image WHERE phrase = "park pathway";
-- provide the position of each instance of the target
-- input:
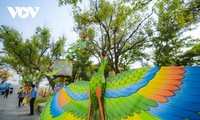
(9, 109)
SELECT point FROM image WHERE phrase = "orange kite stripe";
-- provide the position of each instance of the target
(63, 97)
(161, 86)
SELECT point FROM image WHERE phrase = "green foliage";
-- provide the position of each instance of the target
(124, 29)
(31, 56)
(174, 18)
(73, 2)
(41, 100)
(82, 67)
(105, 11)
(32, 77)
(91, 33)
(114, 28)
(191, 56)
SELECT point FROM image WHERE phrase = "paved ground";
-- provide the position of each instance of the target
(9, 109)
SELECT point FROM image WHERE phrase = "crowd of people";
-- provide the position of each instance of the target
(7, 91)
(24, 96)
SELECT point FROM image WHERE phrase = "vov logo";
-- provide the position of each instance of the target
(23, 12)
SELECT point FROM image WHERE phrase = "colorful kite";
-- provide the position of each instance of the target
(157, 93)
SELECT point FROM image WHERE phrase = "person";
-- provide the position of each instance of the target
(2, 92)
(3, 88)
(33, 97)
(11, 90)
(20, 96)
(6, 93)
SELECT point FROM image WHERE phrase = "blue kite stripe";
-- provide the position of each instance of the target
(167, 108)
(189, 91)
(76, 96)
(184, 105)
(190, 84)
(55, 109)
(192, 70)
(187, 98)
(189, 77)
(130, 89)
(163, 115)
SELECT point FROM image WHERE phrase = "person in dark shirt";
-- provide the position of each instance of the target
(6, 93)
(20, 96)
(11, 90)
(33, 97)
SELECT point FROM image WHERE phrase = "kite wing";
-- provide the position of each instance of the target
(68, 103)
(157, 93)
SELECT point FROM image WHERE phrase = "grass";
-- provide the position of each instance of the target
(41, 100)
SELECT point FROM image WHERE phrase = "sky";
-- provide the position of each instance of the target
(58, 19)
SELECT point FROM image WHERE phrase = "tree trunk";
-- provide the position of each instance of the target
(51, 82)
(116, 65)
(37, 84)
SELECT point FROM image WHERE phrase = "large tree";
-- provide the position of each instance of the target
(175, 17)
(125, 29)
(34, 55)
(115, 28)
